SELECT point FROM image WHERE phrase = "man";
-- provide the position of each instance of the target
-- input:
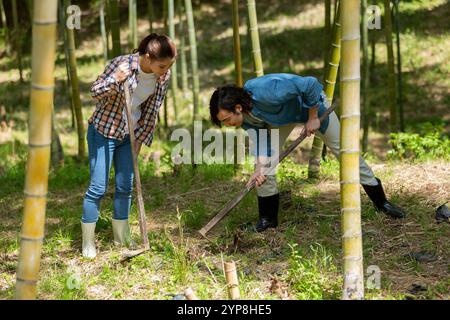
(281, 101)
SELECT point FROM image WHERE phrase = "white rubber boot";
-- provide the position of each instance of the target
(88, 233)
(122, 233)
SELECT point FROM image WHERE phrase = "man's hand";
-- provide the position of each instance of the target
(312, 125)
(123, 71)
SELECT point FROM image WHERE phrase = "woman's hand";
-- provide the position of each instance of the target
(312, 125)
(122, 73)
(258, 176)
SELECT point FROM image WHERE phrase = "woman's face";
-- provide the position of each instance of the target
(158, 67)
(231, 119)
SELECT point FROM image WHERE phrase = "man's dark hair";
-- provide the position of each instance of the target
(227, 97)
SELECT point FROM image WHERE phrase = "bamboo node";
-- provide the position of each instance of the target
(348, 151)
(350, 115)
(41, 87)
(355, 181)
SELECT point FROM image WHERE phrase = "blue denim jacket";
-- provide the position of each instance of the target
(280, 98)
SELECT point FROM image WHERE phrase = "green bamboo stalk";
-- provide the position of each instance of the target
(5, 28)
(330, 83)
(236, 43)
(132, 25)
(366, 76)
(327, 34)
(256, 49)
(108, 29)
(57, 152)
(399, 66)
(150, 14)
(103, 30)
(193, 54)
(182, 50)
(115, 27)
(39, 140)
(392, 87)
(75, 88)
(17, 39)
(349, 151)
(173, 78)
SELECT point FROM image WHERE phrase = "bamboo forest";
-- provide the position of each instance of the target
(224, 150)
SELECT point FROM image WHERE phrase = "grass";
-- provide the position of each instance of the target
(304, 252)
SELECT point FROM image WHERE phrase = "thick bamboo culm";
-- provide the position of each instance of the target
(366, 78)
(193, 54)
(182, 49)
(330, 84)
(39, 140)
(190, 294)
(114, 24)
(256, 49)
(392, 86)
(75, 88)
(237, 43)
(173, 78)
(349, 151)
(232, 280)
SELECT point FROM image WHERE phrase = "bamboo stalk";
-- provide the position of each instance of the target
(327, 33)
(75, 88)
(392, 87)
(108, 29)
(330, 83)
(237, 43)
(256, 49)
(17, 39)
(39, 140)
(173, 78)
(349, 151)
(366, 76)
(232, 280)
(193, 54)
(399, 67)
(132, 25)
(5, 28)
(103, 30)
(183, 61)
(150, 15)
(114, 22)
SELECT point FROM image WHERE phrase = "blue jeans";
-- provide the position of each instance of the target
(102, 152)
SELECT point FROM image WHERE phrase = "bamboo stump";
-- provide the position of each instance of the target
(232, 280)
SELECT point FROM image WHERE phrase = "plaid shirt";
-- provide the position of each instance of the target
(107, 117)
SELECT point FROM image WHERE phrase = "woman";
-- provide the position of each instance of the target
(280, 101)
(147, 72)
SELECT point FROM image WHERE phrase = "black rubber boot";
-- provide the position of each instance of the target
(376, 194)
(268, 212)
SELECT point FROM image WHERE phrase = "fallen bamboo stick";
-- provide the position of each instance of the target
(232, 280)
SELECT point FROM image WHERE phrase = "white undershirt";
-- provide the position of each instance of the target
(146, 86)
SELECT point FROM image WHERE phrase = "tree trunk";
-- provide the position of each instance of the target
(173, 78)
(115, 27)
(349, 151)
(193, 54)
(256, 49)
(39, 140)
(399, 66)
(331, 72)
(366, 77)
(183, 61)
(75, 88)
(392, 87)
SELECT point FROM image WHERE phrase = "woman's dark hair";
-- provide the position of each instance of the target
(157, 46)
(227, 97)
